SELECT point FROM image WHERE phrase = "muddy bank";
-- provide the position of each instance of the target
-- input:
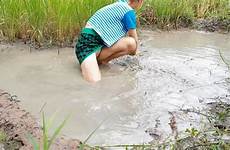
(212, 25)
(17, 123)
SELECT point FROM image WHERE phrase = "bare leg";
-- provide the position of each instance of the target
(90, 68)
(125, 46)
(113, 56)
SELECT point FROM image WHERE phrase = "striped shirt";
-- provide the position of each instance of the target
(113, 21)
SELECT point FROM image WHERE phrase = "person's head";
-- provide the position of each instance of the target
(136, 4)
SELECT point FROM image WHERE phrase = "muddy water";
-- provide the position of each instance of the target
(136, 94)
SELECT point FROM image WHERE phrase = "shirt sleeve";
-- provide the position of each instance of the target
(129, 20)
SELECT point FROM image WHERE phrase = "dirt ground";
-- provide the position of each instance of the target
(17, 123)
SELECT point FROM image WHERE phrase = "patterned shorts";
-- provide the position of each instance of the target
(88, 43)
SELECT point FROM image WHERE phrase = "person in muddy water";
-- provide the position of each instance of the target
(108, 34)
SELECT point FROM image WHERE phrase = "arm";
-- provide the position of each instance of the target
(129, 21)
(133, 33)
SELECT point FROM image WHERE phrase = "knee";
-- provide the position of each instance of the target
(131, 46)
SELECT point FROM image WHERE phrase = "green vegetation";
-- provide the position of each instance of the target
(164, 12)
(47, 140)
(2, 137)
(49, 20)
(59, 21)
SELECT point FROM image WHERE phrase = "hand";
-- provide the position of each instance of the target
(138, 52)
(139, 43)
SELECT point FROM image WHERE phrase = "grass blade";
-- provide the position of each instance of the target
(45, 134)
(91, 134)
(33, 141)
(57, 131)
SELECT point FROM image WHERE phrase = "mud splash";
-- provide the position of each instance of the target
(137, 96)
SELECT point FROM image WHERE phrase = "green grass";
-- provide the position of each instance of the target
(45, 20)
(165, 12)
(47, 140)
(59, 21)
(2, 136)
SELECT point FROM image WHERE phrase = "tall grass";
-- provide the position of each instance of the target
(11, 13)
(168, 11)
(211, 8)
(172, 11)
(59, 21)
(39, 20)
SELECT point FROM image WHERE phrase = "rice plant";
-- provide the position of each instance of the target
(211, 8)
(41, 20)
(12, 15)
(59, 21)
(170, 11)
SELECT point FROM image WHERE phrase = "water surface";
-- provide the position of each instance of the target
(174, 69)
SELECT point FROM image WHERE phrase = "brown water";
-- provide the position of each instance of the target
(175, 69)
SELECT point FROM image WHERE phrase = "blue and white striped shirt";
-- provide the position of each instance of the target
(113, 21)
